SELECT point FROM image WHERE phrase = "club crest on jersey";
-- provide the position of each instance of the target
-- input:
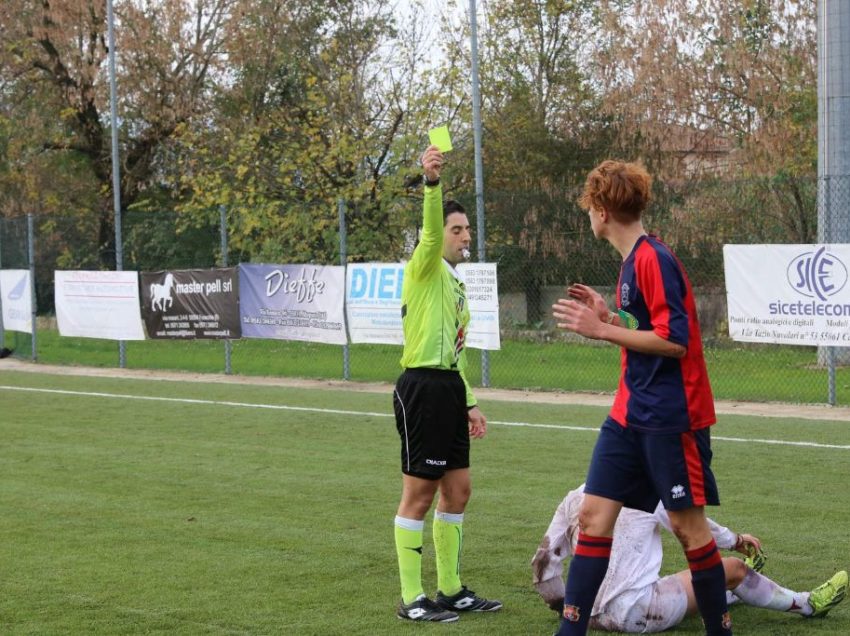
(624, 295)
(571, 613)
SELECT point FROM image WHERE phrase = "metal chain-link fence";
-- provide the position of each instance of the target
(541, 242)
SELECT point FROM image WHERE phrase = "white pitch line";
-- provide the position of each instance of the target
(286, 407)
(152, 398)
(780, 442)
(776, 442)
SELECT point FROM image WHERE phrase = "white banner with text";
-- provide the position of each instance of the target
(788, 294)
(482, 295)
(98, 304)
(373, 302)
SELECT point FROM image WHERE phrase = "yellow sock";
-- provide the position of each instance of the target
(448, 542)
(408, 546)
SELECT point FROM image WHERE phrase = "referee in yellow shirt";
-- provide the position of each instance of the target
(436, 412)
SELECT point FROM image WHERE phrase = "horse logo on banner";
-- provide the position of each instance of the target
(161, 294)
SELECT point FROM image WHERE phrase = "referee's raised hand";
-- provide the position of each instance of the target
(432, 163)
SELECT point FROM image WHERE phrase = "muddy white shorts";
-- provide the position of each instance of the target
(657, 607)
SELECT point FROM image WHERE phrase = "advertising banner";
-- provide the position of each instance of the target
(483, 297)
(95, 304)
(16, 299)
(788, 294)
(191, 303)
(293, 302)
(373, 302)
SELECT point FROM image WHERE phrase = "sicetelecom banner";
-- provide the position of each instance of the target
(788, 294)
(98, 304)
(373, 303)
(191, 303)
(293, 302)
(16, 299)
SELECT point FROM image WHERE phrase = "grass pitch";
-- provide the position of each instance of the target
(153, 507)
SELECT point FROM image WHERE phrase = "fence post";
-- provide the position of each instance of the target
(479, 163)
(826, 231)
(228, 345)
(343, 257)
(116, 165)
(31, 251)
(825, 353)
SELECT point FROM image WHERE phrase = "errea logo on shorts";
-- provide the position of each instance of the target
(436, 462)
(678, 491)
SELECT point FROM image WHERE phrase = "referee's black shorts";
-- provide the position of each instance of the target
(431, 418)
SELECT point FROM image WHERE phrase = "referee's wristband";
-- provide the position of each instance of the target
(469, 408)
(431, 184)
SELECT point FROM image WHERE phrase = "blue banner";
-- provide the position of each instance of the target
(292, 302)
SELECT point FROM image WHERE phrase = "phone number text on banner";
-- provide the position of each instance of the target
(482, 295)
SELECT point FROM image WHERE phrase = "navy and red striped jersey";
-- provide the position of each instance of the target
(659, 394)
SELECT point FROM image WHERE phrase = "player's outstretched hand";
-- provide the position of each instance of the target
(432, 163)
(477, 423)
(590, 297)
(573, 315)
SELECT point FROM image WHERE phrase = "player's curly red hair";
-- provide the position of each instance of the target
(623, 189)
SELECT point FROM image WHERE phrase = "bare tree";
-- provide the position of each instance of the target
(719, 89)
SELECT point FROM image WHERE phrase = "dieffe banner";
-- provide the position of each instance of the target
(373, 303)
(293, 302)
(788, 294)
(98, 304)
(16, 299)
(191, 303)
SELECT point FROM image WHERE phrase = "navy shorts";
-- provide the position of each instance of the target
(432, 421)
(639, 468)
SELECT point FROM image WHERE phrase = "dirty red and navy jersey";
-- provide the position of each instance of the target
(659, 394)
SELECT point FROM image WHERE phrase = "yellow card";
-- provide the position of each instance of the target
(440, 137)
